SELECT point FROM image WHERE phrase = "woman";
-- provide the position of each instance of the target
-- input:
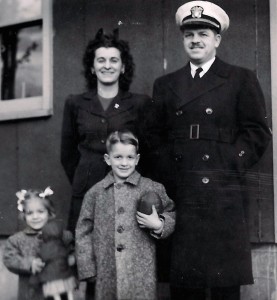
(90, 117)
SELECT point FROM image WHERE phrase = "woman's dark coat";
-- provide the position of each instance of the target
(85, 129)
(204, 137)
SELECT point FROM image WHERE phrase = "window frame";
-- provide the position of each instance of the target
(42, 105)
(273, 45)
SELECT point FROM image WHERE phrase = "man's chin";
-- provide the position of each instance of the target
(196, 60)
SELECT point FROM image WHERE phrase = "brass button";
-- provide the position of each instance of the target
(241, 153)
(209, 111)
(102, 141)
(206, 157)
(179, 113)
(205, 180)
(103, 121)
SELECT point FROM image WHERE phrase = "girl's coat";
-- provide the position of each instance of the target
(21, 248)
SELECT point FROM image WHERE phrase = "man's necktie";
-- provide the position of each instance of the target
(196, 77)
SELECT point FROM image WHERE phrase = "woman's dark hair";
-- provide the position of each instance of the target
(108, 40)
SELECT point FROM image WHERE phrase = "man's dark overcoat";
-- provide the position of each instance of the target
(205, 136)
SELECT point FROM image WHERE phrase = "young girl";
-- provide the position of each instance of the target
(111, 248)
(21, 251)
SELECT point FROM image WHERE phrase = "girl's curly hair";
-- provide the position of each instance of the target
(108, 40)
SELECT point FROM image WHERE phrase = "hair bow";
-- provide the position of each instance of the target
(21, 197)
(100, 35)
(47, 192)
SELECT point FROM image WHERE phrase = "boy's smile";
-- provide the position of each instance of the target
(123, 159)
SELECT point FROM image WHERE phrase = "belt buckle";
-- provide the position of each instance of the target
(194, 132)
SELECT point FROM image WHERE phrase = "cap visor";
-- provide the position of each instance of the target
(200, 22)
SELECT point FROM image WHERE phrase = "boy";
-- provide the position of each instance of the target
(111, 247)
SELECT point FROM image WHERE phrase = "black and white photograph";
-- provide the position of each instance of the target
(138, 150)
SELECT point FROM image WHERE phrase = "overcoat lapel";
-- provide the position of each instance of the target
(119, 104)
(186, 91)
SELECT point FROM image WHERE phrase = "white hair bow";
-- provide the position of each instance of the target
(21, 197)
(47, 192)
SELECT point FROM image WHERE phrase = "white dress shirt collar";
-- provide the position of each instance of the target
(206, 66)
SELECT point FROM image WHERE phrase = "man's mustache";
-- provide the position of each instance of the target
(197, 45)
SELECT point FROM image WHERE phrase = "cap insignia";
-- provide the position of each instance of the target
(196, 12)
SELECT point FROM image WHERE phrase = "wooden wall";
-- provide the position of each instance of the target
(29, 149)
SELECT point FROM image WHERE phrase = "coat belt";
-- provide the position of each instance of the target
(202, 132)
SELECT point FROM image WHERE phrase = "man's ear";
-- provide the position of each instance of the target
(107, 159)
(218, 40)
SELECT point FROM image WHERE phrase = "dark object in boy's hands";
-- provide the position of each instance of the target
(146, 202)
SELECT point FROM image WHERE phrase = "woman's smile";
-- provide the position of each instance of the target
(107, 65)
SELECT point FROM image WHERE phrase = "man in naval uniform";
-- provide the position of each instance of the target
(208, 127)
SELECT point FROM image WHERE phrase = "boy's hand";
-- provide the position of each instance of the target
(151, 222)
(71, 260)
(37, 265)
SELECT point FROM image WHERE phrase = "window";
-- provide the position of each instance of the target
(26, 59)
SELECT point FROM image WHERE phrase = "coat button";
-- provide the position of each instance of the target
(118, 185)
(178, 157)
(120, 247)
(121, 210)
(120, 229)
(209, 111)
(179, 113)
(102, 141)
(205, 180)
(103, 121)
(206, 157)
(241, 153)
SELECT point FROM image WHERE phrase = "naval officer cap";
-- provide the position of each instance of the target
(202, 13)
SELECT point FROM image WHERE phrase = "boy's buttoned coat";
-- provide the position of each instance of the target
(111, 246)
(205, 136)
